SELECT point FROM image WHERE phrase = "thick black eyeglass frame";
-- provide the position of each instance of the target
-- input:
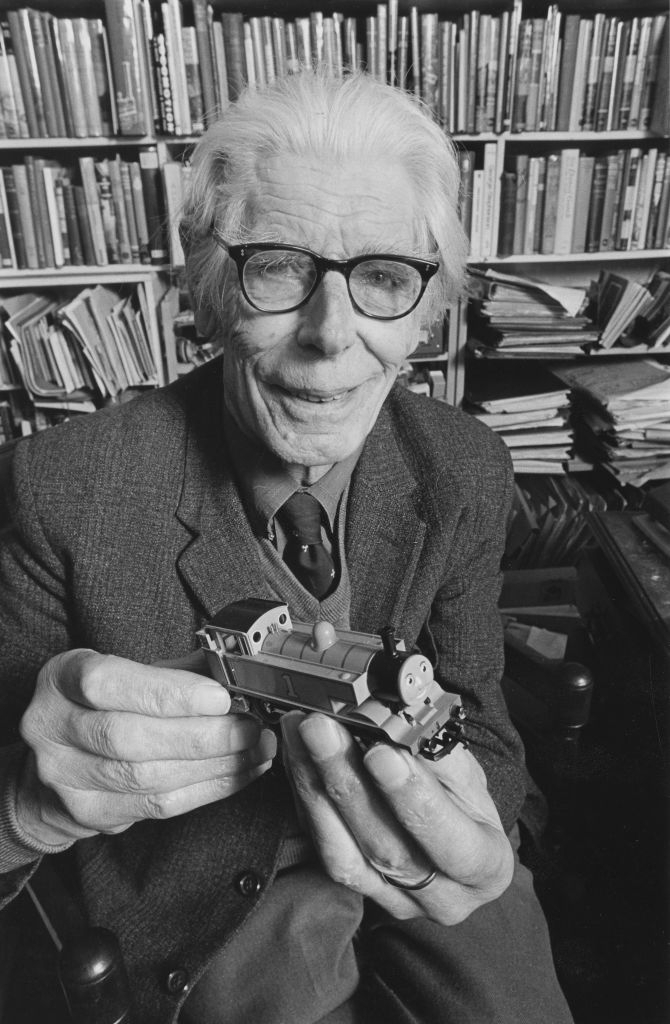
(240, 254)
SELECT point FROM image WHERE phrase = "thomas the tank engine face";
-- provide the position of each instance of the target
(368, 682)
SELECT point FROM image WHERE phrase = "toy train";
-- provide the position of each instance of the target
(271, 665)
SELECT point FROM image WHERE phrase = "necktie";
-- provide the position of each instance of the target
(304, 553)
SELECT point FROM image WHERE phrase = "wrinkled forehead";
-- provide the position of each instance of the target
(336, 209)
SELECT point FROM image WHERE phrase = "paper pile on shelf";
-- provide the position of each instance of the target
(631, 315)
(72, 353)
(622, 416)
(530, 409)
(515, 316)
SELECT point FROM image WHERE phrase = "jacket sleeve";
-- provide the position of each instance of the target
(463, 634)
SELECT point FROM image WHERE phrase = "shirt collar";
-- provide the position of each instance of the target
(265, 483)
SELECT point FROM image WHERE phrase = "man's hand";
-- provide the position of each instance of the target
(113, 742)
(387, 812)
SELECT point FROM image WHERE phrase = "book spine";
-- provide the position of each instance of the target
(210, 103)
(658, 30)
(23, 198)
(549, 221)
(612, 192)
(196, 101)
(643, 201)
(466, 162)
(87, 77)
(531, 205)
(521, 173)
(620, 47)
(567, 196)
(107, 210)
(233, 38)
(14, 214)
(38, 216)
(174, 198)
(35, 44)
(523, 74)
(631, 181)
(579, 83)
(219, 64)
(657, 191)
(7, 249)
(639, 73)
(53, 215)
(593, 73)
(72, 225)
(84, 225)
(153, 199)
(127, 188)
(597, 203)
(122, 231)
(130, 97)
(74, 97)
(164, 87)
(140, 212)
(48, 229)
(629, 74)
(603, 100)
(488, 238)
(536, 245)
(102, 76)
(93, 211)
(13, 82)
(584, 184)
(535, 73)
(27, 72)
(507, 211)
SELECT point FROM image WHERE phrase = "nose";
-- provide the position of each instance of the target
(327, 321)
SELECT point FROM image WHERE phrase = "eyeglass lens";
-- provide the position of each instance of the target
(279, 279)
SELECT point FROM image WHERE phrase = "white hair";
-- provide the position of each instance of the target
(332, 118)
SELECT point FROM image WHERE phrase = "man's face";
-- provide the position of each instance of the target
(309, 384)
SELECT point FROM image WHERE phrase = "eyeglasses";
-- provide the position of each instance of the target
(278, 278)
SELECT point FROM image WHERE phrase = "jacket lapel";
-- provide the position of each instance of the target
(385, 530)
(220, 562)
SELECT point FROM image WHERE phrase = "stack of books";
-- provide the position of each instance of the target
(621, 414)
(530, 409)
(514, 316)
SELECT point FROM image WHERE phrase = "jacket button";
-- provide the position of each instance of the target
(248, 883)
(177, 982)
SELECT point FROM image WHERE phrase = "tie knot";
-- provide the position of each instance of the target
(301, 517)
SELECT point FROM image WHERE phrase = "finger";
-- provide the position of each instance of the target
(124, 736)
(91, 814)
(109, 683)
(76, 769)
(470, 850)
(338, 760)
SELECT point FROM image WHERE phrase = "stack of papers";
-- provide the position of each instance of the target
(530, 409)
(622, 416)
(511, 315)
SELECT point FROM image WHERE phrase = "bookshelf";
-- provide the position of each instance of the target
(503, 79)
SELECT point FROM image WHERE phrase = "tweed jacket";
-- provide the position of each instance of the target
(130, 533)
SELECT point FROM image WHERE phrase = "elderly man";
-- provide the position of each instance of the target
(321, 234)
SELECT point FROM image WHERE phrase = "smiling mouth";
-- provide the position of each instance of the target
(316, 397)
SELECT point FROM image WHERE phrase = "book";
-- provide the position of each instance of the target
(153, 200)
(204, 50)
(194, 88)
(567, 71)
(521, 174)
(24, 201)
(131, 99)
(233, 38)
(615, 162)
(26, 64)
(86, 73)
(598, 186)
(549, 220)
(566, 200)
(14, 216)
(576, 121)
(13, 112)
(93, 211)
(584, 188)
(508, 188)
(73, 94)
